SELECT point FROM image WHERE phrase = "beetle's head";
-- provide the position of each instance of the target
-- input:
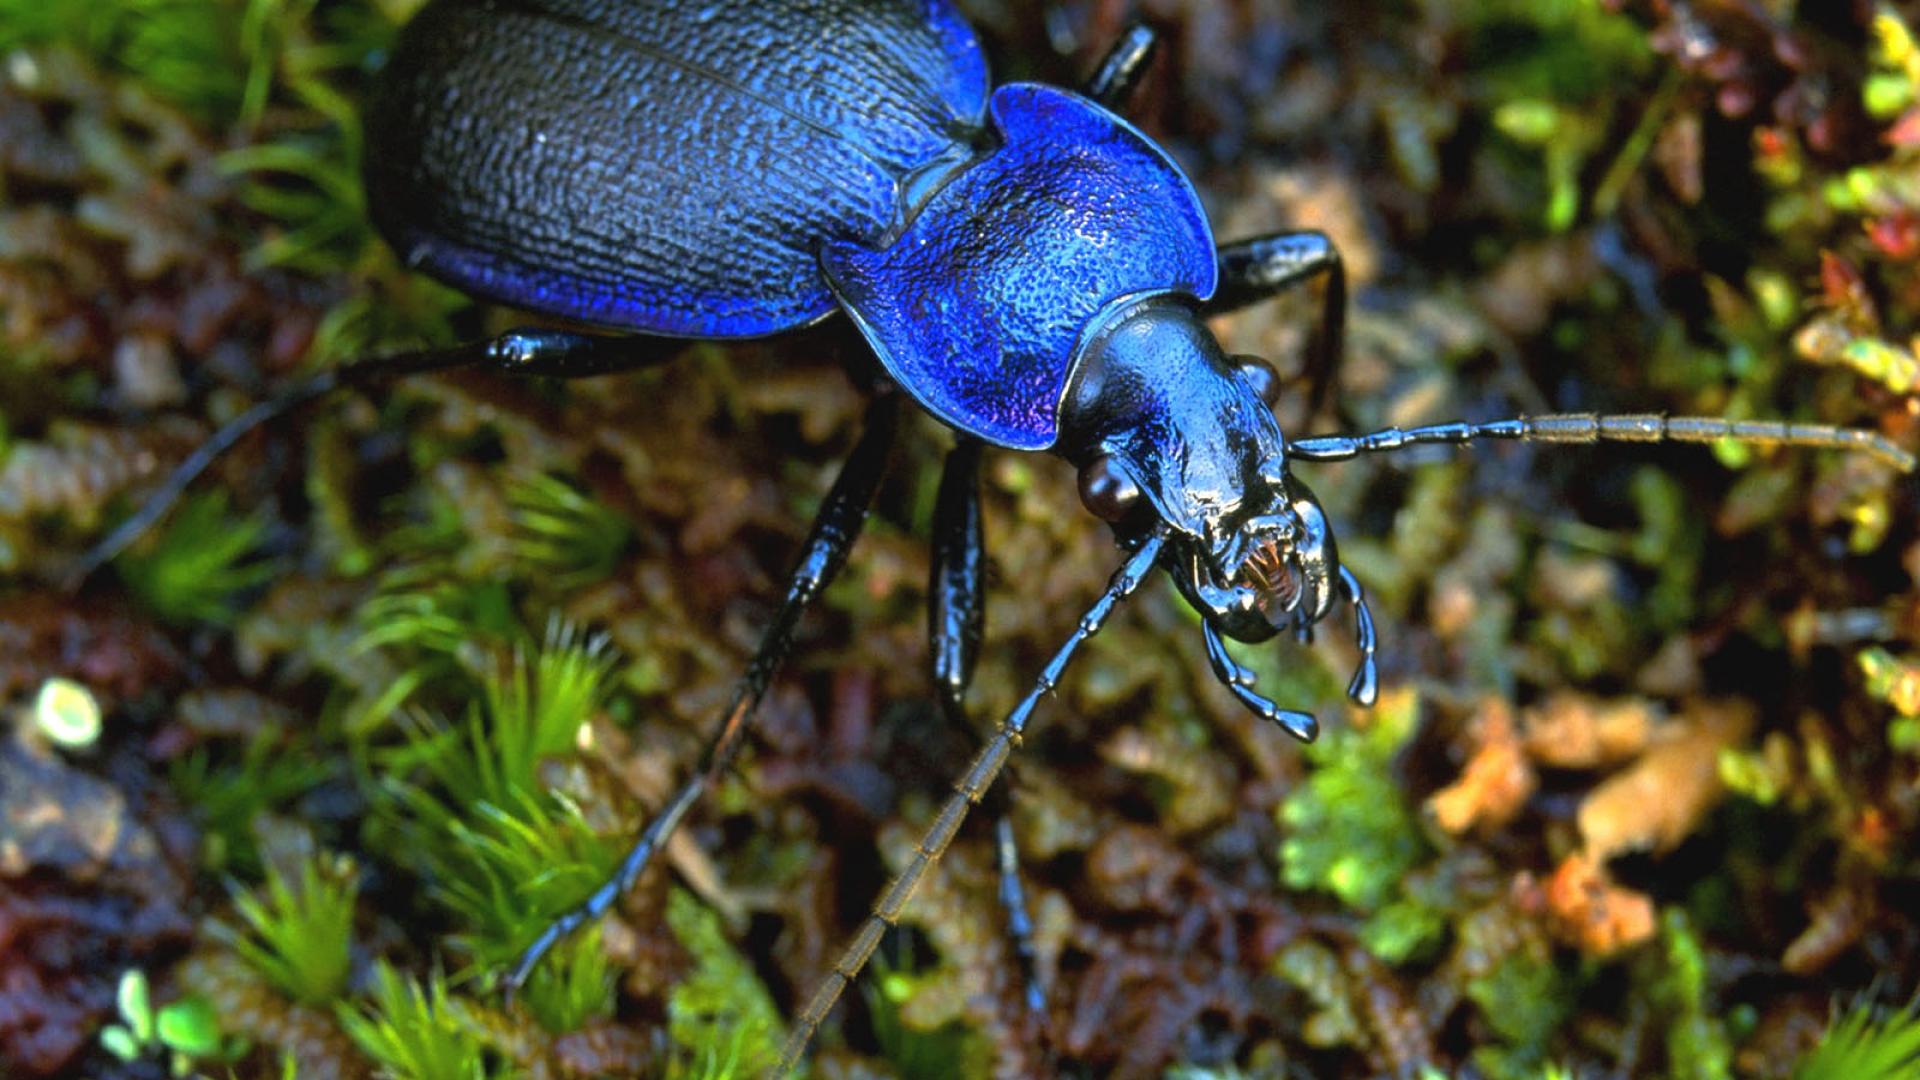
(1163, 424)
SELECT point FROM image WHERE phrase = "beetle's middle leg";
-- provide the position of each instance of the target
(1266, 266)
(559, 354)
(841, 515)
(955, 613)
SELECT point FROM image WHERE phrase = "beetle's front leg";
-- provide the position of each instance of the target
(1265, 266)
(955, 613)
(838, 523)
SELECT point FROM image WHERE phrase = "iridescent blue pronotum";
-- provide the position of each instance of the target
(1027, 266)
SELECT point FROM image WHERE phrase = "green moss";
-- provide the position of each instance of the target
(1524, 999)
(1896, 681)
(1862, 1044)
(193, 570)
(465, 805)
(1404, 929)
(229, 793)
(1349, 829)
(915, 1051)
(721, 1019)
(1551, 77)
(298, 938)
(1670, 540)
(1698, 1046)
(1316, 971)
(562, 536)
(1569, 51)
(221, 60)
(415, 1032)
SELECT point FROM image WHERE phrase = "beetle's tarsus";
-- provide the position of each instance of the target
(536, 352)
(1365, 687)
(1264, 267)
(1239, 679)
(956, 611)
(1013, 899)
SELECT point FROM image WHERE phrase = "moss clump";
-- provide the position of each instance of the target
(1864, 1044)
(194, 570)
(720, 1017)
(1349, 828)
(300, 935)
(1698, 1047)
(416, 1032)
(501, 853)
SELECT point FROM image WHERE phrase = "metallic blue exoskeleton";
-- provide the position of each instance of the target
(1025, 264)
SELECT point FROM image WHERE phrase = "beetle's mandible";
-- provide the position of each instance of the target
(1026, 265)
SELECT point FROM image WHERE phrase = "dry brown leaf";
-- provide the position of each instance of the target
(1497, 781)
(1585, 909)
(1835, 921)
(1657, 801)
(1575, 731)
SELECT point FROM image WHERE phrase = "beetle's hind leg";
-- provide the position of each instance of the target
(1120, 70)
(956, 610)
(546, 353)
(1266, 266)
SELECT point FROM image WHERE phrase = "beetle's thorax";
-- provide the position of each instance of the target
(979, 306)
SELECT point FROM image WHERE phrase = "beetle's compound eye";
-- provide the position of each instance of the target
(1261, 376)
(1106, 492)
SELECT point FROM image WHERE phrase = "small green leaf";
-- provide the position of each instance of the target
(1532, 122)
(136, 1005)
(120, 1042)
(190, 1027)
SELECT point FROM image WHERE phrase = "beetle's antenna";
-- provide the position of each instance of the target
(1597, 428)
(967, 791)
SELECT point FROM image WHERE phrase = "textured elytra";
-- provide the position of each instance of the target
(980, 307)
(669, 168)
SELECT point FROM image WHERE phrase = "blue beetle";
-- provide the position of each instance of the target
(1026, 265)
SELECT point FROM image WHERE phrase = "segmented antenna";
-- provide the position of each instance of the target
(1597, 428)
(967, 791)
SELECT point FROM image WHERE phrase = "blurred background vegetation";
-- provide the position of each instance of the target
(284, 789)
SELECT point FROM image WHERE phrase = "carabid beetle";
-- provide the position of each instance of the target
(1026, 265)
